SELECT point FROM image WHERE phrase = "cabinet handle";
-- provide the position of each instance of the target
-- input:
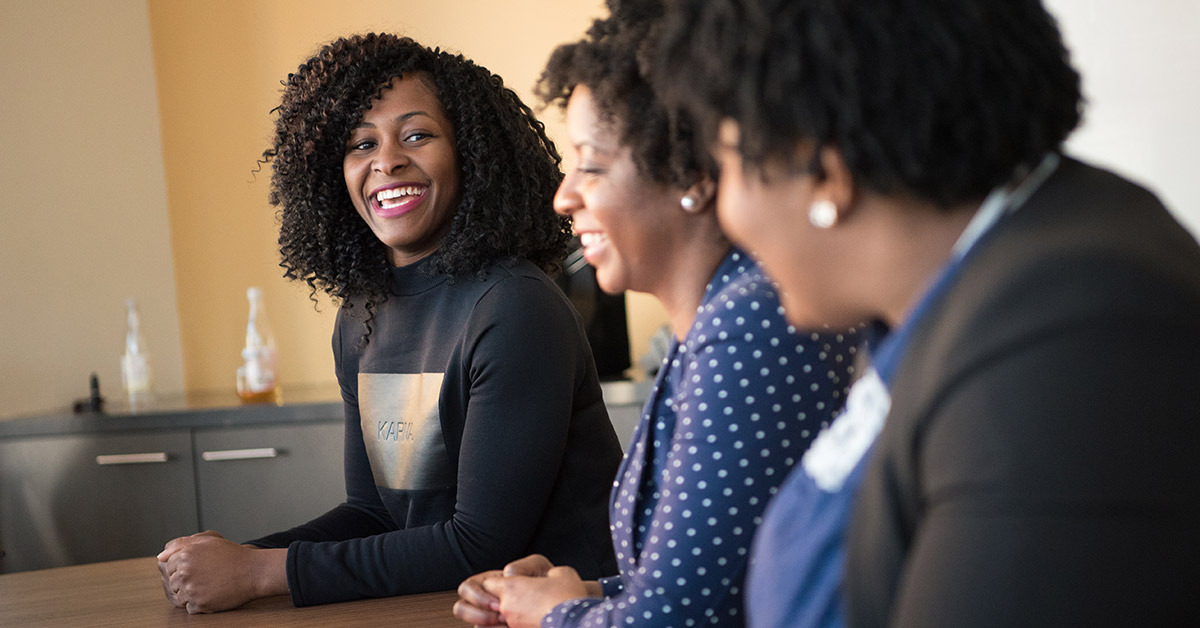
(107, 459)
(239, 454)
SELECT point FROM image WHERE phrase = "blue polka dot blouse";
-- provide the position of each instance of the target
(734, 407)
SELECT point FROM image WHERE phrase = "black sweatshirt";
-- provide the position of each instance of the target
(475, 434)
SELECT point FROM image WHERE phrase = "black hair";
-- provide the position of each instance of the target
(606, 60)
(508, 168)
(941, 99)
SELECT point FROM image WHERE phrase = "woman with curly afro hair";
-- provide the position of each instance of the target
(723, 424)
(415, 189)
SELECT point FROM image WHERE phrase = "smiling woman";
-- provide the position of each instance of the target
(735, 403)
(401, 170)
(475, 429)
(330, 114)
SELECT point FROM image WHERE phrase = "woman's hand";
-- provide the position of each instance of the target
(477, 606)
(525, 600)
(205, 572)
(166, 553)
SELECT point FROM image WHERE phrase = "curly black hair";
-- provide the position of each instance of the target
(940, 99)
(509, 169)
(606, 61)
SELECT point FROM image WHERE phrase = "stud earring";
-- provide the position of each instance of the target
(688, 203)
(823, 214)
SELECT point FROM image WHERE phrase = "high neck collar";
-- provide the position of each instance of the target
(415, 278)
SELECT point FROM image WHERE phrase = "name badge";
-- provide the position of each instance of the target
(837, 450)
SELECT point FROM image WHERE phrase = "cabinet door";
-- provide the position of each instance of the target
(75, 499)
(254, 481)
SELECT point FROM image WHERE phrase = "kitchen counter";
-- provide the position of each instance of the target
(211, 409)
(223, 409)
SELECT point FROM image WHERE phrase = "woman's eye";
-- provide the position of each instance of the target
(362, 145)
(417, 136)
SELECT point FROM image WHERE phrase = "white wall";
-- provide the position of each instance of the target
(83, 220)
(1140, 63)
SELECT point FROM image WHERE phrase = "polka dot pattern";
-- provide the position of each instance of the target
(734, 407)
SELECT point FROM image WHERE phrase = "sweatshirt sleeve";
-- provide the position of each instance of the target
(523, 359)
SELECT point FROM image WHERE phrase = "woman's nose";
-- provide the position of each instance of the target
(390, 157)
(567, 200)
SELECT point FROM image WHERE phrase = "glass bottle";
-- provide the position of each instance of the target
(136, 375)
(256, 378)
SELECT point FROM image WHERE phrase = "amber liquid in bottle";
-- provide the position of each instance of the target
(256, 378)
(270, 396)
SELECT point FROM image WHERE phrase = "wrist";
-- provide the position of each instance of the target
(270, 572)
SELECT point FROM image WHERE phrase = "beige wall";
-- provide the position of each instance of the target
(219, 67)
(90, 216)
(131, 131)
(83, 216)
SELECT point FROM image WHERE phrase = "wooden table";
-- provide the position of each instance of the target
(128, 593)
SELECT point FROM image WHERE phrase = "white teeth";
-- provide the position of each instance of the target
(405, 190)
(591, 238)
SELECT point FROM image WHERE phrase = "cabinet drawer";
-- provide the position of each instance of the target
(75, 499)
(259, 480)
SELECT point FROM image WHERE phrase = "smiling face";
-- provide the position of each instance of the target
(401, 171)
(625, 221)
(769, 218)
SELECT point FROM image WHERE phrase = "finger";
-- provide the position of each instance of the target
(165, 578)
(177, 595)
(471, 591)
(495, 586)
(475, 615)
(174, 562)
(166, 585)
(532, 565)
(196, 607)
(561, 572)
(171, 547)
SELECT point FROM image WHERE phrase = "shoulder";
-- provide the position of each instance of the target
(520, 287)
(1086, 214)
(741, 307)
(1090, 264)
(1088, 246)
(518, 304)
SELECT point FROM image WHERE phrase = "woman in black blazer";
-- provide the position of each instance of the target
(1021, 451)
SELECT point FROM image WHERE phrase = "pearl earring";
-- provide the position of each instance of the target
(688, 203)
(823, 214)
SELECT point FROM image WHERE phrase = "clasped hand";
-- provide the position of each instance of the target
(206, 572)
(520, 594)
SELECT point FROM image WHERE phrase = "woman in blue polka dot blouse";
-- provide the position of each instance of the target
(740, 394)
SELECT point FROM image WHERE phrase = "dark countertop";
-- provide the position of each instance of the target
(223, 409)
(204, 409)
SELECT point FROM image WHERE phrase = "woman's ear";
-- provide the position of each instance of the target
(700, 196)
(837, 186)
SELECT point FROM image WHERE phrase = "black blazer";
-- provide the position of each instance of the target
(1040, 465)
